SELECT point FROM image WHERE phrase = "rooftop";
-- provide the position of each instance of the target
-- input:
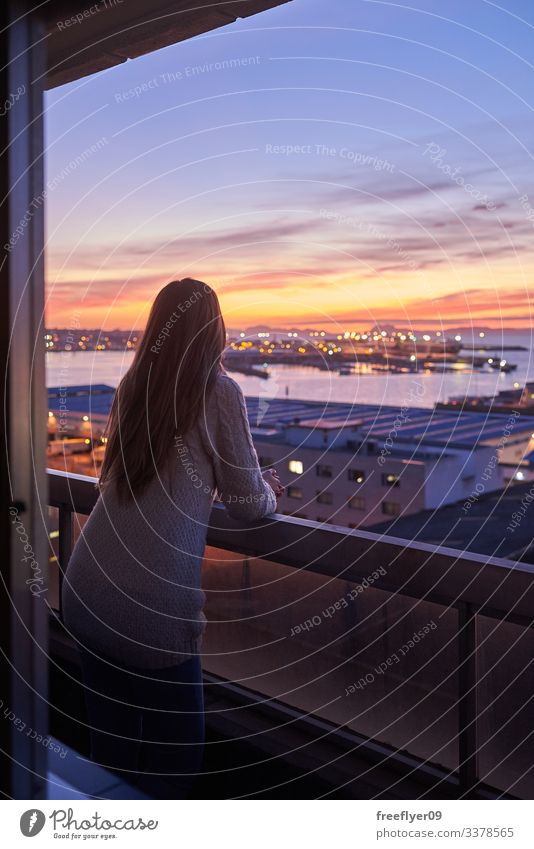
(81, 399)
(451, 428)
(480, 527)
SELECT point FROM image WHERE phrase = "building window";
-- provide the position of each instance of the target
(356, 476)
(325, 498)
(296, 466)
(356, 503)
(294, 492)
(390, 480)
(323, 471)
(266, 462)
(391, 508)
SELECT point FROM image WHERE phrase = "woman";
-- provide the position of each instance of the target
(178, 432)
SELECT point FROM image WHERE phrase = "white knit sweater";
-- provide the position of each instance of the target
(132, 589)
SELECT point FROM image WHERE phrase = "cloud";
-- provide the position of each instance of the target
(481, 207)
(209, 240)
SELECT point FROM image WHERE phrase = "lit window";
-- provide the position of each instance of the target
(356, 475)
(390, 480)
(356, 503)
(296, 466)
(323, 471)
(391, 508)
(325, 498)
(294, 492)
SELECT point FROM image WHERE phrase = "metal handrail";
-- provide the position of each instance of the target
(498, 588)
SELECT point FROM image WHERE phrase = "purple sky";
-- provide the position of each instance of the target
(350, 160)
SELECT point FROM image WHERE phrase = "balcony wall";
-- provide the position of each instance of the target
(422, 650)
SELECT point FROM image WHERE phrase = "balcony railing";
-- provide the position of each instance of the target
(421, 648)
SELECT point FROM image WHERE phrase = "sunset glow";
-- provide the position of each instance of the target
(311, 170)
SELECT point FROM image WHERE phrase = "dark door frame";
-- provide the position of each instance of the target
(23, 527)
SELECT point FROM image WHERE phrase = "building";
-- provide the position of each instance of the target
(495, 524)
(357, 465)
(79, 411)
(350, 464)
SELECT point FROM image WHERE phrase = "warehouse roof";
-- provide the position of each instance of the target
(456, 429)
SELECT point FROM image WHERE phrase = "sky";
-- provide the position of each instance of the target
(339, 163)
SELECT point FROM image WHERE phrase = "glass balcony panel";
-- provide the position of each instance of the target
(506, 705)
(358, 663)
(79, 521)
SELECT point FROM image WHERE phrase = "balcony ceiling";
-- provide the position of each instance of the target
(112, 31)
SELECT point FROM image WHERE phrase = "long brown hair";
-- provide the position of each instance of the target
(161, 394)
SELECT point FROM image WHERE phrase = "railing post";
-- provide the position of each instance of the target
(467, 699)
(65, 544)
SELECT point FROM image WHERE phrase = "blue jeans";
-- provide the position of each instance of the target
(147, 726)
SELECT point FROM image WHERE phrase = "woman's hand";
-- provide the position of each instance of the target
(271, 477)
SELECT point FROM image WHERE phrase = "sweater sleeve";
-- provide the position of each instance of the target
(238, 477)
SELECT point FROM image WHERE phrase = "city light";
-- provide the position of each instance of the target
(296, 466)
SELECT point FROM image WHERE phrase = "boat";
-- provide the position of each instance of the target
(502, 365)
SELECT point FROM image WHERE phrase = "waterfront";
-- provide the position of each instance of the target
(86, 367)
